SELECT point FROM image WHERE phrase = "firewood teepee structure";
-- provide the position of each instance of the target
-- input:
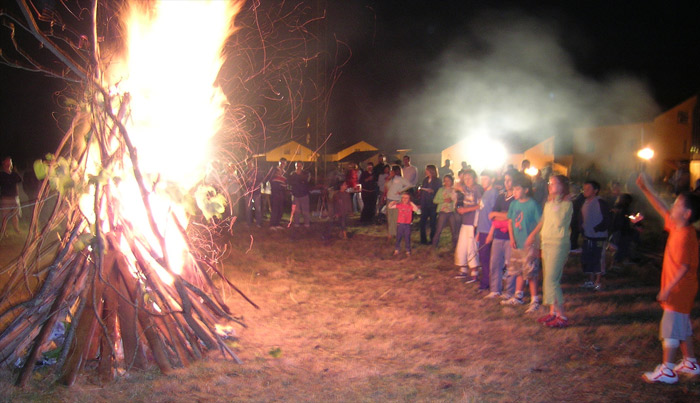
(114, 260)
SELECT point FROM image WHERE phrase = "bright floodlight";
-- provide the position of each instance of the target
(532, 171)
(646, 153)
(482, 152)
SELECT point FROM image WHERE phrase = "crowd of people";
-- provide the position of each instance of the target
(512, 233)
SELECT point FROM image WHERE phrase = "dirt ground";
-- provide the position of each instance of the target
(344, 320)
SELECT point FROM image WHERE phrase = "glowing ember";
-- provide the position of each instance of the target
(635, 218)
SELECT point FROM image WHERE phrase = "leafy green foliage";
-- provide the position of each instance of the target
(211, 203)
(41, 169)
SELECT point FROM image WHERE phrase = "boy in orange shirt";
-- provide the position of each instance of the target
(679, 284)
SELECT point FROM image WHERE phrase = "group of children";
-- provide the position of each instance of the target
(497, 230)
(532, 243)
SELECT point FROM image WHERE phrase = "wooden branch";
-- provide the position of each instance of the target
(81, 289)
(154, 342)
(58, 52)
(191, 321)
(109, 317)
(46, 329)
(85, 332)
(128, 319)
(230, 284)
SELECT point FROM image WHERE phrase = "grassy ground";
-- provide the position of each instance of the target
(343, 320)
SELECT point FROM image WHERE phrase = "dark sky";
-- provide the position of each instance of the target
(398, 56)
(406, 53)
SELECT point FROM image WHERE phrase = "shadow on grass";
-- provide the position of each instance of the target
(622, 318)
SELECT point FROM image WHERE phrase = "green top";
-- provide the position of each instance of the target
(524, 217)
(556, 221)
(439, 199)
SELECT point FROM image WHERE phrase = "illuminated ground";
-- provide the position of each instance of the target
(346, 321)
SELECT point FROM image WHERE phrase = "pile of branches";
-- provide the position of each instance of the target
(91, 268)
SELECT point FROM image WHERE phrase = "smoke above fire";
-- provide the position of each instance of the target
(511, 78)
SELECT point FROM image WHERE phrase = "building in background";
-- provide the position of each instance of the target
(611, 152)
(292, 151)
(342, 151)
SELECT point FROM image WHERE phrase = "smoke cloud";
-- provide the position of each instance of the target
(511, 78)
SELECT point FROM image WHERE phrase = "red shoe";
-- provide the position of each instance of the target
(546, 318)
(558, 322)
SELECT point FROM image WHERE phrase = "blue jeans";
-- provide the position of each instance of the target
(500, 256)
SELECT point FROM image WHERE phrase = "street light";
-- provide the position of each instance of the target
(645, 153)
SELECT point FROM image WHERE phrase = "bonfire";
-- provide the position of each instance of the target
(116, 263)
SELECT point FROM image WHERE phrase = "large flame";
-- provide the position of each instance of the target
(173, 56)
(173, 59)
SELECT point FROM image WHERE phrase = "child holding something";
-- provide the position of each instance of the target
(405, 217)
(523, 217)
(679, 284)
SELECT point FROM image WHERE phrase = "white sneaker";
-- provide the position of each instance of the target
(513, 301)
(588, 284)
(534, 307)
(662, 374)
(492, 295)
(688, 368)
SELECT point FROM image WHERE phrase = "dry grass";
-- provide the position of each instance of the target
(346, 321)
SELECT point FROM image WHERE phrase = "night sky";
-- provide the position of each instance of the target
(486, 58)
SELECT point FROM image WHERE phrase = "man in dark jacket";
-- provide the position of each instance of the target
(595, 221)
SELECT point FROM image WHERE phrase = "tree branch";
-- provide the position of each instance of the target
(58, 52)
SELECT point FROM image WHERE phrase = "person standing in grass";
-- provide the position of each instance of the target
(486, 204)
(555, 244)
(595, 220)
(9, 195)
(342, 208)
(278, 187)
(368, 180)
(466, 255)
(445, 199)
(405, 210)
(394, 186)
(679, 284)
(428, 215)
(299, 182)
(523, 217)
(500, 241)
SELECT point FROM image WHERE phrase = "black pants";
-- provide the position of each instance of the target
(277, 205)
(428, 213)
(369, 201)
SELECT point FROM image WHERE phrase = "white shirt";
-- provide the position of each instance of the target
(411, 174)
(395, 186)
